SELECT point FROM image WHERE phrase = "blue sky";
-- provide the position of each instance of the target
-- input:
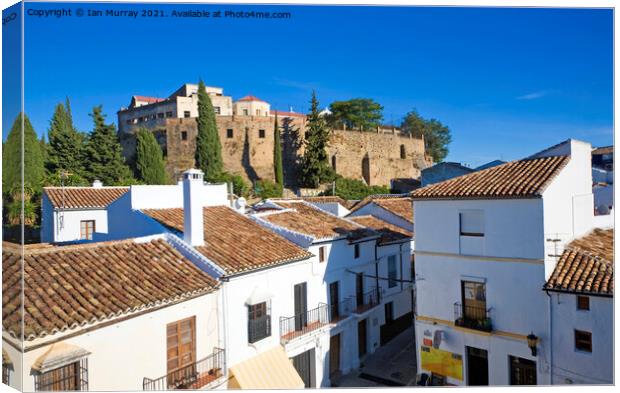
(507, 82)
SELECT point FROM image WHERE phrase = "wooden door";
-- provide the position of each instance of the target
(334, 300)
(301, 305)
(477, 367)
(522, 371)
(181, 344)
(359, 289)
(334, 354)
(305, 366)
(361, 337)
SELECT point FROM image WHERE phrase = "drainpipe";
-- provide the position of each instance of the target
(550, 302)
(377, 274)
(223, 323)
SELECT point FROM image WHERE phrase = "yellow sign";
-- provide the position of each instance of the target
(441, 362)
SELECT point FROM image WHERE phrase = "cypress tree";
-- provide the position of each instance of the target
(314, 162)
(103, 153)
(277, 154)
(12, 157)
(208, 147)
(66, 145)
(149, 159)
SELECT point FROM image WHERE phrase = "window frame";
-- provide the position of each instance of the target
(230, 133)
(183, 135)
(356, 251)
(321, 254)
(580, 341)
(467, 233)
(85, 235)
(187, 114)
(261, 133)
(257, 312)
(392, 283)
(583, 307)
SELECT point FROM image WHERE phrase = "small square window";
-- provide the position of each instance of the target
(471, 223)
(258, 112)
(160, 115)
(356, 251)
(184, 135)
(583, 341)
(229, 133)
(261, 133)
(217, 110)
(87, 228)
(169, 114)
(583, 303)
(245, 112)
(322, 254)
(186, 114)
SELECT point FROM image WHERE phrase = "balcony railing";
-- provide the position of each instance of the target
(298, 325)
(340, 311)
(367, 301)
(473, 317)
(192, 376)
(259, 328)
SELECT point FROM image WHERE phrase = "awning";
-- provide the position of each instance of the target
(58, 355)
(269, 370)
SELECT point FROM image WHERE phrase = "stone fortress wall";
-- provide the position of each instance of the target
(247, 149)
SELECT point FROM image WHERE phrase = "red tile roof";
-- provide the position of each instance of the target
(83, 197)
(71, 286)
(397, 204)
(586, 266)
(307, 219)
(250, 98)
(150, 100)
(233, 241)
(285, 114)
(389, 233)
(517, 179)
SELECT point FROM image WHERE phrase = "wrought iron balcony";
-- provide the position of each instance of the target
(192, 376)
(473, 317)
(298, 325)
(367, 301)
(339, 311)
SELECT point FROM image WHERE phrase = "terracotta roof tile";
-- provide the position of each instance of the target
(72, 286)
(233, 241)
(310, 220)
(319, 199)
(389, 233)
(517, 179)
(83, 197)
(586, 266)
(397, 204)
(250, 98)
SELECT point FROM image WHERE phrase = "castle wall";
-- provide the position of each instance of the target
(372, 156)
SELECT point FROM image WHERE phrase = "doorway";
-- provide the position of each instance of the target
(334, 301)
(359, 289)
(522, 371)
(304, 364)
(334, 354)
(477, 367)
(301, 305)
(361, 338)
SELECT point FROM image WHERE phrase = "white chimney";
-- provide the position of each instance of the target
(97, 184)
(193, 229)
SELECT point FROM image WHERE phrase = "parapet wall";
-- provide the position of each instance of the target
(248, 149)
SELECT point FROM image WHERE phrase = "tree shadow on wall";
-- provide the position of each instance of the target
(245, 159)
(291, 145)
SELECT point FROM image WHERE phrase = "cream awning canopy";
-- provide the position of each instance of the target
(269, 370)
(58, 355)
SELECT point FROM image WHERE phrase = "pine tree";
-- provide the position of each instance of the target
(208, 146)
(315, 167)
(277, 154)
(103, 153)
(66, 144)
(12, 157)
(150, 159)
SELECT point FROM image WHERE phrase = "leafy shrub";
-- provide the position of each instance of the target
(267, 189)
(240, 186)
(355, 189)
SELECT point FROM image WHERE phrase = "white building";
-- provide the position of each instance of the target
(71, 214)
(359, 281)
(123, 315)
(581, 303)
(486, 243)
(251, 106)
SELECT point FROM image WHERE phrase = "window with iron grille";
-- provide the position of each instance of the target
(259, 321)
(583, 303)
(73, 376)
(217, 110)
(6, 372)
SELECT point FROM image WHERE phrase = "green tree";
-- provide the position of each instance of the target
(103, 153)
(150, 159)
(352, 189)
(277, 154)
(267, 189)
(436, 135)
(208, 146)
(314, 164)
(66, 145)
(12, 157)
(362, 114)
